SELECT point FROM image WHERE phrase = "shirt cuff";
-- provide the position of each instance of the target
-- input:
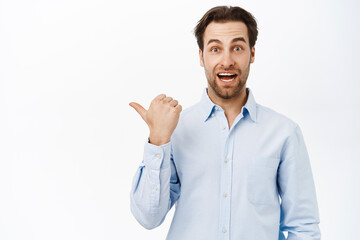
(156, 157)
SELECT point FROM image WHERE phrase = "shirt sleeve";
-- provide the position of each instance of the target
(155, 187)
(299, 210)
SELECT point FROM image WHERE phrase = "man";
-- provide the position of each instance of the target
(235, 169)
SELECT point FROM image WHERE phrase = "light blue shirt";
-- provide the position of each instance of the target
(250, 182)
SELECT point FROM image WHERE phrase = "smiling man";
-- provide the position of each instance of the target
(233, 168)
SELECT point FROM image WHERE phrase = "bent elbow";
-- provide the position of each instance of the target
(147, 219)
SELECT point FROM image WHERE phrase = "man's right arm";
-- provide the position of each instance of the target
(156, 186)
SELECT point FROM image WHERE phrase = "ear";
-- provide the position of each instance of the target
(252, 54)
(201, 58)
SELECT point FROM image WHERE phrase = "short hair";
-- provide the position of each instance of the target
(222, 14)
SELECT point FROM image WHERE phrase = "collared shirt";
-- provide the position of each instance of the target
(252, 181)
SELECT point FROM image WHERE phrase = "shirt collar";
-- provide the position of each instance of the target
(208, 107)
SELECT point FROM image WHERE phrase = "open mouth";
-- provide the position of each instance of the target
(227, 77)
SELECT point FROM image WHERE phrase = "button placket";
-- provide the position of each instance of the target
(226, 179)
(224, 216)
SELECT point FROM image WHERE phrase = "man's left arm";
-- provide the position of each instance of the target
(299, 210)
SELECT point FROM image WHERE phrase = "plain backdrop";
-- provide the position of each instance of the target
(70, 144)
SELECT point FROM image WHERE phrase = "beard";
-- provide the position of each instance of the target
(228, 92)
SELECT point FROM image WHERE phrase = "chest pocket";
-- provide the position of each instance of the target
(261, 181)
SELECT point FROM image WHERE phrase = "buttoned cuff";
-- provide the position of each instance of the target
(156, 157)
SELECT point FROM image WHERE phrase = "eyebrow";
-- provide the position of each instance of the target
(238, 39)
(234, 40)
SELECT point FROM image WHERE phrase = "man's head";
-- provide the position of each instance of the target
(226, 37)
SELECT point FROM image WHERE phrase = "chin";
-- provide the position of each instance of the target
(226, 94)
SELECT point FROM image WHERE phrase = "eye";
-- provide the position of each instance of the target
(237, 48)
(214, 50)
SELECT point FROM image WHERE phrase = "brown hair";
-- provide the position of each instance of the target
(225, 14)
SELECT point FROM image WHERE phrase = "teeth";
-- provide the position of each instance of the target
(221, 75)
(226, 74)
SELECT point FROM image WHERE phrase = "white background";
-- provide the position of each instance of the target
(70, 144)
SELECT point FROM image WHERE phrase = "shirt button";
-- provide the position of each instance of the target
(223, 127)
(158, 156)
(156, 188)
(212, 115)
(225, 194)
(226, 160)
(224, 230)
(216, 108)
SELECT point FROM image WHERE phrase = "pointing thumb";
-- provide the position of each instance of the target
(142, 111)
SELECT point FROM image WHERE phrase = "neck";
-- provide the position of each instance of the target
(232, 107)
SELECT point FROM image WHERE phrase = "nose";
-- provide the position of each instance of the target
(227, 60)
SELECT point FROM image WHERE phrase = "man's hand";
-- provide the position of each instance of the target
(161, 118)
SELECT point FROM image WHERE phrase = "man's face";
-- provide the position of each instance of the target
(226, 58)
